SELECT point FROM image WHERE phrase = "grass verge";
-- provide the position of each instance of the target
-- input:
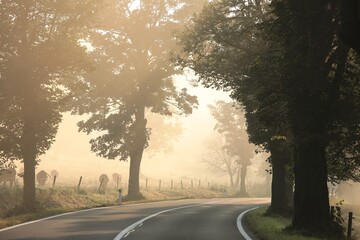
(66, 199)
(271, 227)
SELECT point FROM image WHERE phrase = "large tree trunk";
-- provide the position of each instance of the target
(243, 192)
(307, 51)
(350, 23)
(311, 199)
(281, 187)
(29, 157)
(136, 154)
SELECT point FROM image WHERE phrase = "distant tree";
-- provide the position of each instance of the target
(40, 59)
(165, 131)
(220, 162)
(133, 73)
(231, 124)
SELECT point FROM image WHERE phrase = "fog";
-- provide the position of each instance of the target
(71, 156)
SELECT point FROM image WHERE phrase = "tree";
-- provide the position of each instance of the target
(294, 89)
(226, 49)
(133, 73)
(165, 131)
(220, 162)
(231, 124)
(350, 23)
(33, 86)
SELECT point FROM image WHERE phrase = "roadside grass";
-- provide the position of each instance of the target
(67, 199)
(272, 227)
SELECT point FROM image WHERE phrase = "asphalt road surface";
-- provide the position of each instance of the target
(191, 219)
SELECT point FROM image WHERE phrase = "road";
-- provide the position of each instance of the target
(190, 219)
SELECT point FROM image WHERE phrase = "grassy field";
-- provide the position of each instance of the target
(273, 227)
(66, 199)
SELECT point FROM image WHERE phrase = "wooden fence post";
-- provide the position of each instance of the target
(54, 181)
(101, 184)
(78, 188)
(349, 226)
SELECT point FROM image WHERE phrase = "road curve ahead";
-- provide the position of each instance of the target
(191, 219)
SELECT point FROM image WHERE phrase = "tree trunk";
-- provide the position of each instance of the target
(243, 192)
(350, 23)
(280, 191)
(29, 158)
(237, 180)
(136, 154)
(268, 185)
(308, 48)
(311, 199)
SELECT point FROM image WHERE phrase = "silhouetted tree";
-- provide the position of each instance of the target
(226, 49)
(350, 23)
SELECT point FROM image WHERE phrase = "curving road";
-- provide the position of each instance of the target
(191, 219)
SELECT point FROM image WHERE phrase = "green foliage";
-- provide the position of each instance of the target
(338, 215)
(273, 227)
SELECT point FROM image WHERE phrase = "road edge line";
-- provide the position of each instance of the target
(141, 221)
(51, 217)
(240, 226)
(77, 211)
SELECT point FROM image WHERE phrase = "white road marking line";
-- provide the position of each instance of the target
(51, 217)
(239, 224)
(124, 233)
(79, 211)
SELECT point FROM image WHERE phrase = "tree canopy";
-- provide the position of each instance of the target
(132, 49)
(33, 87)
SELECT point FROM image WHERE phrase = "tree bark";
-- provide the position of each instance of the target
(136, 154)
(311, 199)
(312, 28)
(29, 157)
(350, 23)
(281, 186)
(243, 192)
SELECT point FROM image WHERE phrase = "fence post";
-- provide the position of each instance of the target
(172, 184)
(332, 212)
(182, 187)
(54, 181)
(199, 183)
(349, 226)
(78, 188)
(119, 199)
(208, 184)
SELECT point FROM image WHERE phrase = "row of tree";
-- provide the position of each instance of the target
(298, 82)
(283, 61)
